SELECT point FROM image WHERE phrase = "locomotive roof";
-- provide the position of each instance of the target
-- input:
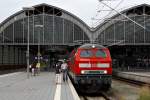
(88, 46)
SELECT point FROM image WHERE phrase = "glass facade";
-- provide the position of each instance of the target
(128, 42)
(51, 26)
(125, 31)
(46, 25)
(55, 30)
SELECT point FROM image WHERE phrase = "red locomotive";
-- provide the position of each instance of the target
(90, 68)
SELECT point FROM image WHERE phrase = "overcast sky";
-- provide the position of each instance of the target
(84, 9)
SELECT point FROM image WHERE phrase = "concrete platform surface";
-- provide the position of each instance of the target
(145, 74)
(137, 76)
(17, 86)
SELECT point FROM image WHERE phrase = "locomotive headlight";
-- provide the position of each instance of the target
(82, 71)
(84, 65)
(103, 65)
(105, 72)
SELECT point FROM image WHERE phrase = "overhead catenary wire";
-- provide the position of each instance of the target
(122, 14)
(114, 8)
(107, 15)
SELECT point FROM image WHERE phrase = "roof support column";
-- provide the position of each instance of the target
(3, 54)
(13, 33)
(23, 28)
(144, 24)
(3, 37)
(43, 23)
(63, 31)
(104, 34)
(114, 32)
(124, 24)
(73, 32)
(83, 36)
(33, 27)
(134, 30)
(53, 25)
(9, 54)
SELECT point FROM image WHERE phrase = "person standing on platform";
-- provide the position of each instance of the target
(64, 68)
(38, 68)
(33, 68)
(33, 71)
(58, 70)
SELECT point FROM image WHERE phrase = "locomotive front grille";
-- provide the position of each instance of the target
(95, 72)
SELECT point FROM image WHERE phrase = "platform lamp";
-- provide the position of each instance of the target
(28, 9)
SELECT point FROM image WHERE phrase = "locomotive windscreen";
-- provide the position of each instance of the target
(93, 53)
(100, 53)
(86, 53)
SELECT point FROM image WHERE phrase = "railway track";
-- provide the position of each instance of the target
(92, 98)
(111, 94)
(100, 96)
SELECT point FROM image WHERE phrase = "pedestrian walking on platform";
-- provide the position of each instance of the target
(64, 68)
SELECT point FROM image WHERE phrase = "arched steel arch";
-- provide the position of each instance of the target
(119, 29)
(59, 27)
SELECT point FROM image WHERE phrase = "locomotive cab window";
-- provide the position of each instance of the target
(86, 53)
(100, 53)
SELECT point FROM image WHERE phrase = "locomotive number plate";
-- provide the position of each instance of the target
(95, 72)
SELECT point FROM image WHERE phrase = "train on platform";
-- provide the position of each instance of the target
(90, 68)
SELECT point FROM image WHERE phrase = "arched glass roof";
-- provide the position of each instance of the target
(120, 30)
(59, 25)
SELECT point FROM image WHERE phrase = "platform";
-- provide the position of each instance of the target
(137, 76)
(17, 86)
